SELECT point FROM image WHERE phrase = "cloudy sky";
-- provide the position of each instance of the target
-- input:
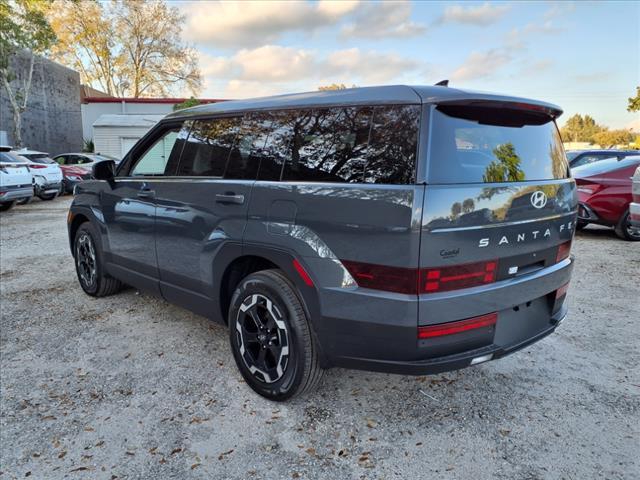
(583, 56)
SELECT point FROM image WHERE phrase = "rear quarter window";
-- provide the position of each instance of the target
(490, 145)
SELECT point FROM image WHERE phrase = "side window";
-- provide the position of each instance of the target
(325, 145)
(61, 160)
(391, 157)
(163, 151)
(208, 147)
(248, 150)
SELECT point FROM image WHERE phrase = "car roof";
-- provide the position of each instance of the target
(391, 94)
(23, 151)
(606, 165)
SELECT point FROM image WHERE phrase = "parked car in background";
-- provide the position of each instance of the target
(577, 158)
(47, 175)
(84, 160)
(604, 193)
(16, 181)
(634, 207)
(76, 167)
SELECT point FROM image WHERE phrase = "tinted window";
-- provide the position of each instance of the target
(154, 160)
(247, 151)
(587, 159)
(325, 145)
(208, 146)
(391, 157)
(38, 158)
(476, 145)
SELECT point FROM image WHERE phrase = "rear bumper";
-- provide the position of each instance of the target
(586, 214)
(9, 194)
(378, 331)
(454, 361)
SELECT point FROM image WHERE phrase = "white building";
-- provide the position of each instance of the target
(115, 134)
(104, 120)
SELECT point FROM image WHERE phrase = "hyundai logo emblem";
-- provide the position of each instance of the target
(538, 199)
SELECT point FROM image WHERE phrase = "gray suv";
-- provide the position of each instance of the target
(399, 229)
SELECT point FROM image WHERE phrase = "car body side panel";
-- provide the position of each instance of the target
(321, 224)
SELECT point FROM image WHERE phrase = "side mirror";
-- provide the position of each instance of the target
(104, 170)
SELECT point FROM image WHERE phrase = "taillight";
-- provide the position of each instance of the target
(451, 328)
(412, 281)
(36, 166)
(458, 276)
(382, 277)
(564, 250)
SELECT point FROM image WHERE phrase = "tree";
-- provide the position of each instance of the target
(188, 103)
(506, 167)
(126, 47)
(611, 138)
(634, 102)
(24, 27)
(580, 129)
(335, 86)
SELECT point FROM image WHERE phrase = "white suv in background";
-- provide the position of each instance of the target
(16, 181)
(47, 174)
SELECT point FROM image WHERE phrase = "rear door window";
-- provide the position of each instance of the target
(343, 145)
(490, 145)
(154, 160)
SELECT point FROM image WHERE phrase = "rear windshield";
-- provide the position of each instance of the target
(490, 145)
(39, 157)
(604, 166)
(12, 157)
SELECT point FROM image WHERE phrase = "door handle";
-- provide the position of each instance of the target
(229, 198)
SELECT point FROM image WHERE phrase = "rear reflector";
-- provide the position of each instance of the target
(562, 291)
(458, 276)
(460, 326)
(564, 250)
(302, 272)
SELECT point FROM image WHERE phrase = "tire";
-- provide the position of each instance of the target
(580, 225)
(88, 257)
(290, 363)
(625, 231)
(49, 196)
(4, 206)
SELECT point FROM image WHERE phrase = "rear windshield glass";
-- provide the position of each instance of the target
(39, 158)
(487, 145)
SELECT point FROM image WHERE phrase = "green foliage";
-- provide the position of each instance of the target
(335, 86)
(634, 102)
(580, 129)
(24, 26)
(88, 146)
(188, 103)
(611, 138)
(506, 167)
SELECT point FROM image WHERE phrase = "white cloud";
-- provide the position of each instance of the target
(382, 20)
(484, 14)
(481, 65)
(250, 23)
(274, 69)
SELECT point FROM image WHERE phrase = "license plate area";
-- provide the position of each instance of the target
(521, 322)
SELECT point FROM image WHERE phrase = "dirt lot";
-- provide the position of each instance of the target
(131, 387)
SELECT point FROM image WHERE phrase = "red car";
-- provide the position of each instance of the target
(604, 192)
(72, 175)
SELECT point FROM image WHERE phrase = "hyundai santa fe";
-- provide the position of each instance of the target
(398, 229)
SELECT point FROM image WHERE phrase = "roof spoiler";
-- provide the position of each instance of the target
(442, 83)
(531, 107)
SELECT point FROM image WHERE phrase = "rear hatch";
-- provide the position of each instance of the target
(13, 173)
(499, 201)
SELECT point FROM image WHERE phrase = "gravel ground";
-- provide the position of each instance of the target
(132, 387)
